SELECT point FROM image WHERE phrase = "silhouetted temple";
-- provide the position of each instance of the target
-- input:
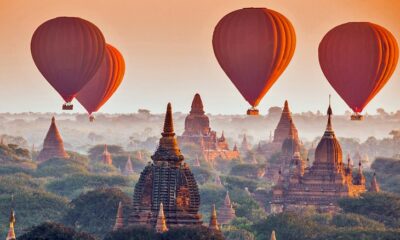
(226, 213)
(53, 146)
(167, 180)
(197, 131)
(322, 184)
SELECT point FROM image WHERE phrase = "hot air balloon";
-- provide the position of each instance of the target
(254, 46)
(67, 51)
(358, 59)
(104, 83)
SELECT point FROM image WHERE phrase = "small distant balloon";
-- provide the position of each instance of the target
(67, 51)
(358, 59)
(104, 83)
(254, 46)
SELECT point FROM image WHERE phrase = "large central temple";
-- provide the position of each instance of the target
(198, 132)
(168, 180)
(322, 184)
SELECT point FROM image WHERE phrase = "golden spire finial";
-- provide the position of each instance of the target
(213, 220)
(273, 237)
(161, 225)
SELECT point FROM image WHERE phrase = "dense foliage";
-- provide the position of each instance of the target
(95, 211)
(53, 231)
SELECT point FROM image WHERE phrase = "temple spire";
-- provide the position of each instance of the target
(197, 105)
(168, 123)
(119, 220)
(168, 150)
(273, 237)
(53, 146)
(329, 112)
(213, 220)
(227, 201)
(128, 166)
(161, 225)
(106, 158)
(11, 232)
(374, 185)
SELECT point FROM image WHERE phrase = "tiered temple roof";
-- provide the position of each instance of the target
(106, 156)
(53, 146)
(168, 180)
(226, 213)
(322, 184)
(197, 131)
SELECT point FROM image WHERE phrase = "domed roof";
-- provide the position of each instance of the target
(329, 150)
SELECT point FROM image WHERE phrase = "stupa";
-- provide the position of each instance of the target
(119, 220)
(53, 145)
(106, 156)
(128, 169)
(226, 213)
(167, 180)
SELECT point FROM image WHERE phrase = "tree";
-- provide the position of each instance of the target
(95, 211)
(54, 231)
(382, 207)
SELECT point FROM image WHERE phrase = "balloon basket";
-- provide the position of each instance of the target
(91, 118)
(67, 106)
(357, 117)
(252, 112)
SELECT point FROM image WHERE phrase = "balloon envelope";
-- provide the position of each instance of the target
(254, 46)
(105, 82)
(358, 59)
(67, 51)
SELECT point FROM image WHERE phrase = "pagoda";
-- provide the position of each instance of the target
(167, 180)
(106, 156)
(285, 125)
(213, 225)
(245, 146)
(119, 220)
(11, 233)
(53, 146)
(198, 132)
(226, 213)
(128, 169)
(322, 184)
(374, 185)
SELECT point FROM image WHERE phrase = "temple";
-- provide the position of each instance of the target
(106, 156)
(198, 132)
(53, 146)
(167, 180)
(128, 169)
(283, 129)
(119, 219)
(213, 225)
(11, 233)
(226, 213)
(322, 184)
(374, 185)
(161, 224)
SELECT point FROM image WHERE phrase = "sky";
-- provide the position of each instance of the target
(169, 57)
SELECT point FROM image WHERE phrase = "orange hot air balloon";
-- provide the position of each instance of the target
(67, 51)
(104, 83)
(253, 47)
(358, 59)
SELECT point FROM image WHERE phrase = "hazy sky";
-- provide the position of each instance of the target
(168, 52)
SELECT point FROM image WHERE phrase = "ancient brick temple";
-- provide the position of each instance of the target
(322, 184)
(226, 212)
(282, 130)
(167, 180)
(197, 131)
(53, 146)
(290, 153)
